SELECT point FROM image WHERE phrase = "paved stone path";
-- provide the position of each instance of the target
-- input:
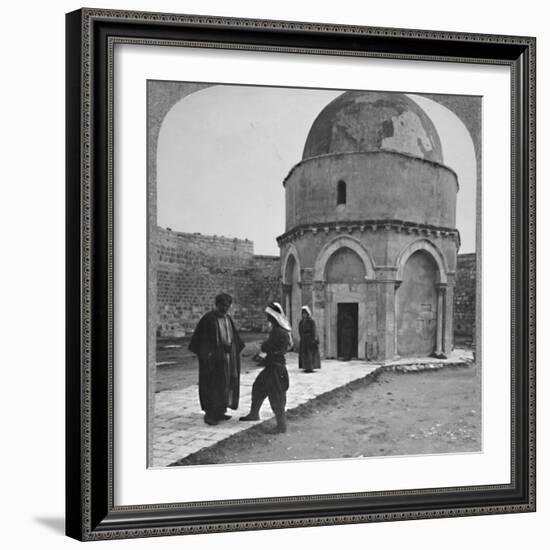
(179, 429)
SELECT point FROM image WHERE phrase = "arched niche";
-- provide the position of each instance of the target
(345, 266)
(291, 252)
(428, 247)
(423, 301)
(333, 246)
(292, 292)
(416, 305)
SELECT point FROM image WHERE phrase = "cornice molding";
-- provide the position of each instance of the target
(372, 226)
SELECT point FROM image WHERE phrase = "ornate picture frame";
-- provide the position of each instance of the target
(91, 511)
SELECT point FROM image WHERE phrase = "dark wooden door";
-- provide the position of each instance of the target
(347, 327)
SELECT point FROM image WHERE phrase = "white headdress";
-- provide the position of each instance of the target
(275, 310)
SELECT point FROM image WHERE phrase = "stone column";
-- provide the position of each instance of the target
(306, 286)
(396, 287)
(448, 334)
(439, 335)
(319, 314)
(385, 312)
(371, 312)
(286, 297)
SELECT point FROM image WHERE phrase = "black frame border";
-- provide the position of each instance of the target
(90, 36)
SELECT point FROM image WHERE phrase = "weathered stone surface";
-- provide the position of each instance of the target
(379, 185)
(366, 121)
(372, 189)
(193, 268)
(465, 298)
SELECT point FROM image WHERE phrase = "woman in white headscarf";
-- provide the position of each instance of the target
(309, 342)
(273, 381)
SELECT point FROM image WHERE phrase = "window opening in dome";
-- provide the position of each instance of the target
(341, 192)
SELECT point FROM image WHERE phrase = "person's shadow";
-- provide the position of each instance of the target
(55, 524)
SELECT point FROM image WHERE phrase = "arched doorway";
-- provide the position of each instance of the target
(416, 306)
(345, 278)
(293, 299)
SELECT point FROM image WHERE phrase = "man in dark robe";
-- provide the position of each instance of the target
(217, 344)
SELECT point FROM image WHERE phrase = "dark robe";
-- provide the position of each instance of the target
(309, 358)
(219, 365)
(273, 382)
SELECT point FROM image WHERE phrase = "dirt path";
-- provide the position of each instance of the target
(396, 414)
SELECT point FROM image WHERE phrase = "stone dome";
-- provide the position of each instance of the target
(372, 121)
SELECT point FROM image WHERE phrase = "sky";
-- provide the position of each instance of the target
(223, 153)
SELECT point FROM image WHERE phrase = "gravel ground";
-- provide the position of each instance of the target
(429, 412)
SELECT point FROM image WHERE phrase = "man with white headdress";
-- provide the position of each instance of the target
(273, 381)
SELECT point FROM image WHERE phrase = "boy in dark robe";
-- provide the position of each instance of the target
(218, 345)
(273, 381)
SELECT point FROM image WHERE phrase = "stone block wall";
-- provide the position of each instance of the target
(193, 268)
(179, 248)
(465, 299)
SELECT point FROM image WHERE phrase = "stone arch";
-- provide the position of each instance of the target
(416, 306)
(466, 113)
(161, 98)
(337, 294)
(430, 248)
(466, 109)
(290, 251)
(291, 276)
(335, 244)
(345, 266)
(423, 307)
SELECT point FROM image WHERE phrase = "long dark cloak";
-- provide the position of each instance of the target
(273, 381)
(309, 357)
(218, 382)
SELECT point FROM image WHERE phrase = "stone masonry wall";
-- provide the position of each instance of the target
(465, 299)
(193, 268)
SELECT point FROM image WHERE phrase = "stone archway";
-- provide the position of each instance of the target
(416, 309)
(343, 269)
(345, 276)
(161, 98)
(467, 109)
(292, 294)
(430, 248)
(421, 308)
(332, 246)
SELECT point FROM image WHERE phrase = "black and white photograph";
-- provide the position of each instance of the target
(314, 273)
(270, 275)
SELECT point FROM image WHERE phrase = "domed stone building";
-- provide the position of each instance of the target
(370, 242)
